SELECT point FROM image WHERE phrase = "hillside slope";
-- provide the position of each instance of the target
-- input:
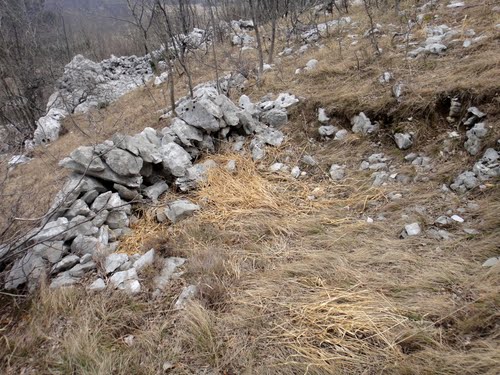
(319, 273)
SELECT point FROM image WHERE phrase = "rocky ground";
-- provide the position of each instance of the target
(340, 217)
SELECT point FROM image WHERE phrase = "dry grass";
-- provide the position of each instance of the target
(289, 284)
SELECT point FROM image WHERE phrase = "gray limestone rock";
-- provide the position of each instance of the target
(117, 220)
(107, 174)
(168, 271)
(186, 133)
(81, 269)
(52, 252)
(123, 162)
(114, 261)
(126, 193)
(28, 269)
(85, 156)
(203, 114)
(145, 260)
(154, 191)
(275, 117)
(65, 263)
(337, 172)
(327, 130)
(180, 210)
(101, 201)
(403, 140)
(84, 245)
(79, 208)
(362, 124)
(175, 159)
(97, 285)
(186, 295)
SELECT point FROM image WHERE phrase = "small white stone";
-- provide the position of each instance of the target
(413, 229)
(457, 218)
(491, 262)
(369, 220)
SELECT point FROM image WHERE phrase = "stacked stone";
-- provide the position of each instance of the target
(94, 209)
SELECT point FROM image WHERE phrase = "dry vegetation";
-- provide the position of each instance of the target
(290, 285)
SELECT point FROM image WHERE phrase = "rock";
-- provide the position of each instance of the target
(49, 126)
(311, 65)
(337, 172)
(90, 196)
(286, 100)
(186, 133)
(107, 174)
(145, 260)
(271, 137)
(295, 172)
(18, 160)
(52, 252)
(476, 112)
(97, 285)
(379, 178)
(28, 269)
(79, 208)
(168, 271)
(309, 160)
(175, 159)
(123, 162)
(84, 245)
(341, 134)
(180, 210)
(63, 280)
(258, 152)
(436, 48)
(465, 181)
(126, 281)
(457, 218)
(101, 201)
(322, 117)
(474, 137)
(151, 136)
(126, 193)
(86, 157)
(80, 270)
(138, 145)
(187, 294)
(231, 166)
(117, 220)
(403, 140)
(493, 261)
(154, 191)
(114, 261)
(386, 77)
(362, 124)
(203, 114)
(413, 229)
(54, 230)
(229, 110)
(275, 117)
(276, 167)
(326, 131)
(86, 258)
(443, 221)
(100, 218)
(455, 109)
(66, 263)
